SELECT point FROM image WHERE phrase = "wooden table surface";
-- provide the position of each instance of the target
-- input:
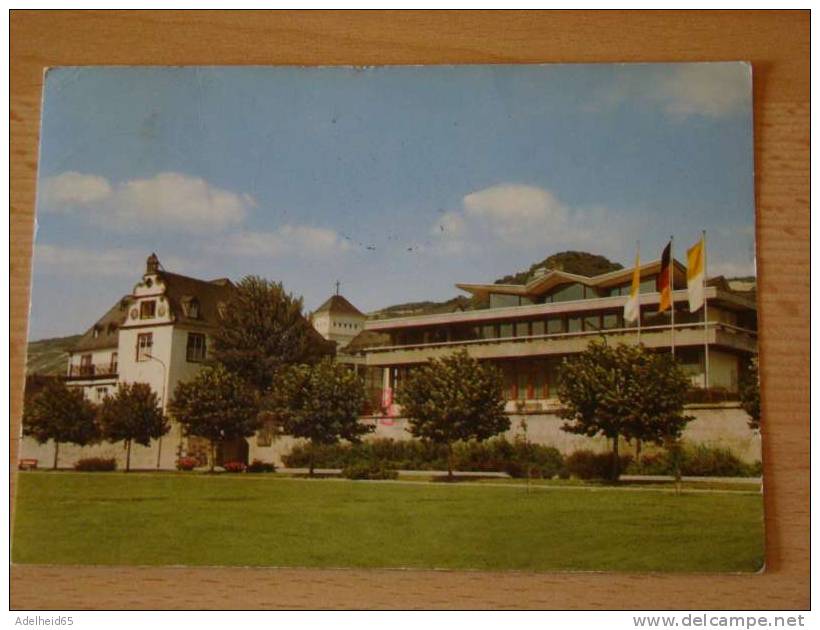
(777, 43)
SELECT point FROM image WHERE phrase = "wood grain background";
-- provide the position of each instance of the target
(777, 43)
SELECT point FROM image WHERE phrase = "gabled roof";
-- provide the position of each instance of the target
(106, 328)
(338, 305)
(539, 285)
(181, 290)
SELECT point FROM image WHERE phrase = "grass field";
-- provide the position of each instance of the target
(264, 520)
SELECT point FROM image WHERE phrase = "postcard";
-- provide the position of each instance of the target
(444, 317)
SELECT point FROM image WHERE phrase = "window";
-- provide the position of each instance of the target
(574, 324)
(196, 348)
(102, 392)
(147, 309)
(190, 307)
(555, 325)
(611, 320)
(501, 300)
(505, 330)
(113, 362)
(144, 343)
(488, 332)
(522, 329)
(86, 368)
(647, 286)
(592, 323)
(538, 327)
(567, 293)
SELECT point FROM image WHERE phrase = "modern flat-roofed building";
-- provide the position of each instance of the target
(528, 329)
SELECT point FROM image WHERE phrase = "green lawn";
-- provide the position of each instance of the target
(197, 519)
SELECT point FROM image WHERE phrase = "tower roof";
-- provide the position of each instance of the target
(338, 305)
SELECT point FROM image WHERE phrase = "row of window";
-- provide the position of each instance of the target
(346, 325)
(523, 380)
(554, 325)
(570, 292)
(190, 308)
(527, 379)
(195, 350)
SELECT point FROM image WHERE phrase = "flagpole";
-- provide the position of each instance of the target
(639, 294)
(672, 290)
(705, 320)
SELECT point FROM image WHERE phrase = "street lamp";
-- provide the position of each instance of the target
(162, 402)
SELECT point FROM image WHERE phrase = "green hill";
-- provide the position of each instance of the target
(49, 356)
(581, 263)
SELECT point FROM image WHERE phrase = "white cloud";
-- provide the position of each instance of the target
(68, 261)
(518, 216)
(168, 201)
(711, 89)
(73, 261)
(73, 189)
(288, 240)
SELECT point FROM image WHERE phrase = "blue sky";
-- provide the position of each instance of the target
(396, 181)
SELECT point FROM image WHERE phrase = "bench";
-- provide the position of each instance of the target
(27, 464)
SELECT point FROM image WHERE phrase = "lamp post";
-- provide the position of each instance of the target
(161, 401)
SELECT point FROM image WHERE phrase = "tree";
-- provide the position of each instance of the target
(750, 395)
(320, 403)
(454, 398)
(132, 414)
(216, 405)
(623, 391)
(62, 414)
(261, 329)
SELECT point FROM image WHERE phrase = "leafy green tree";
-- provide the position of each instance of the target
(454, 398)
(750, 395)
(62, 414)
(132, 414)
(623, 391)
(216, 405)
(320, 403)
(262, 328)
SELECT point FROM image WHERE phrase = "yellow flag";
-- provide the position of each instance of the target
(695, 268)
(632, 308)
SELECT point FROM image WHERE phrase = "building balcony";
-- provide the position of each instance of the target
(686, 335)
(92, 371)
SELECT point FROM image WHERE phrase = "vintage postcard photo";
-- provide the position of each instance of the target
(456, 317)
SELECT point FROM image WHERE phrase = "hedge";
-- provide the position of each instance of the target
(96, 464)
(498, 455)
(697, 460)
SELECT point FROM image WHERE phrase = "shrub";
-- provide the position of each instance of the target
(588, 465)
(697, 461)
(186, 463)
(652, 464)
(497, 454)
(369, 471)
(96, 464)
(234, 467)
(707, 461)
(258, 466)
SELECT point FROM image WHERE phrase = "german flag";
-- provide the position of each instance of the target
(662, 282)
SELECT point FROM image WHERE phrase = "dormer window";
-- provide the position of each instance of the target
(190, 306)
(96, 332)
(148, 309)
